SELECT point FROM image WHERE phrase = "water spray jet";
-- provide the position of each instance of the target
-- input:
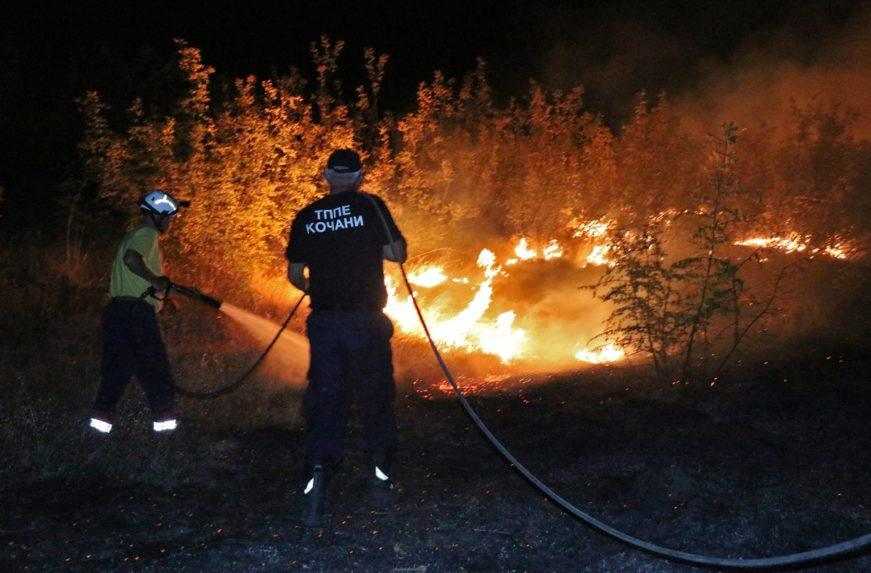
(253, 323)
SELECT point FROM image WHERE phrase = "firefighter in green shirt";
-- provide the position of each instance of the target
(132, 343)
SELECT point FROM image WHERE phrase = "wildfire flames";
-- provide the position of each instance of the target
(472, 328)
(469, 329)
(594, 230)
(796, 243)
(599, 255)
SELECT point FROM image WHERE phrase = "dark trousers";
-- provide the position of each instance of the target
(132, 345)
(350, 355)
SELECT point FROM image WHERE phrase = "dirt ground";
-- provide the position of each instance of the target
(774, 464)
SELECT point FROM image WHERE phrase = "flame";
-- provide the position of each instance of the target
(838, 251)
(523, 252)
(466, 329)
(428, 276)
(502, 339)
(602, 355)
(593, 228)
(553, 250)
(471, 328)
(796, 243)
(599, 256)
(401, 310)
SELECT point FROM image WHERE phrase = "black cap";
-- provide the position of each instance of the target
(344, 161)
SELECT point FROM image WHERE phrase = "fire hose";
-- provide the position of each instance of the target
(844, 548)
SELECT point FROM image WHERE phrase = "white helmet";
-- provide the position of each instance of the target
(160, 203)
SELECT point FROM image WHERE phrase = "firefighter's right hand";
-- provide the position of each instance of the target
(161, 284)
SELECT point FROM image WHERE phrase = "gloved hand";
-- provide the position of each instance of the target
(161, 284)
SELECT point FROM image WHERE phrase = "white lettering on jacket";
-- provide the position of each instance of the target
(335, 219)
(334, 213)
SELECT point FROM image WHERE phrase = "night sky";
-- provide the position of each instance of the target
(53, 52)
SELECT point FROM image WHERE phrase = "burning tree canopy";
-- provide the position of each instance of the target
(508, 207)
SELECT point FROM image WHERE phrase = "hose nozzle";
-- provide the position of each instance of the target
(196, 295)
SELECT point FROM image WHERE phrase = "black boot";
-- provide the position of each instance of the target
(96, 441)
(315, 493)
(382, 487)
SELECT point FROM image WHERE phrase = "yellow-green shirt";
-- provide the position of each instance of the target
(144, 240)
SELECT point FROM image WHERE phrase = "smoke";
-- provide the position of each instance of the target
(770, 77)
(559, 316)
(736, 65)
(616, 61)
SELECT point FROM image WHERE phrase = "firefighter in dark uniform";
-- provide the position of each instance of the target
(342, 239)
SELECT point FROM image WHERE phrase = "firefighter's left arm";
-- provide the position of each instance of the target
(394, 247)
(296, 275)
(397, 251)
